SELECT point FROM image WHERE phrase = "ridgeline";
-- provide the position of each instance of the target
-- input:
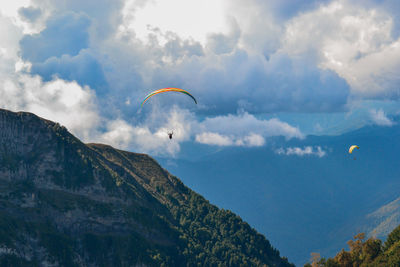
(66, 203)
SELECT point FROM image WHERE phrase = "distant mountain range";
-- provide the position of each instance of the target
(303, 202)
(382, 221)
(65, 203)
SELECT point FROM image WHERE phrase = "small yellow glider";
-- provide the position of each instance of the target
(352, 148)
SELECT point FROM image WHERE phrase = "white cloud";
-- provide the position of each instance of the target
(209, 138)
(379, 117)
(119, 134)
(12, 10)
(122, 135)
(242, 129)
(151, 137)
(214, 139)
(245, 124)
(236, 61)
(258, 63)
(76, 108)
(305, 151)
(65, 102)
(253, 140)
(198, 19)
(355, 42)
(9, 46)
(261, 33)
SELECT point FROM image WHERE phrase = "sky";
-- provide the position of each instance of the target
(258, 69)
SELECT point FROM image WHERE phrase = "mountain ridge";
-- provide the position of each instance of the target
(66, 203)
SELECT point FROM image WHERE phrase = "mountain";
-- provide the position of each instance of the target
(66, 203)
(303, 203)
(380, 222)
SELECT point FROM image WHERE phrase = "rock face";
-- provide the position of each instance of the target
(65, 203)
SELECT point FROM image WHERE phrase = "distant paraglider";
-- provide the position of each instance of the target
(169, 89)
(352, 148)
(170, 134)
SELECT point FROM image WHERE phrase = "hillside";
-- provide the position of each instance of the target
(64, 203)
(302, 203)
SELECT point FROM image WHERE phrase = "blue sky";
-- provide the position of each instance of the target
(291, 68)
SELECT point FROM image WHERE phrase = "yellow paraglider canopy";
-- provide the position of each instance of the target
(352, 148)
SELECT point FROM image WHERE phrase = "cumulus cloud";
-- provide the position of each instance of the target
(379, 117)
(125, 136)
(27, 17)
(355, 42)
(245, 124)
(234, 130)
(151, 137)
(209, 138)
(252, 140)
(261, 63)
(199, 18)
(305, 151)
(242, 129)
(64, 99)
(68, 103)
(65, 102)
(8, 46)
(214, 139)
(221, 43)
(238, 66)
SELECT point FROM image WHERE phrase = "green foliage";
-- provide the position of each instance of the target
(59, 245)
(392, 238)
(9, 160)
(124, 250)
(11, 260)
(219, 237)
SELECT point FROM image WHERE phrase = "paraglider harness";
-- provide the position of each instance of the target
(170, 134)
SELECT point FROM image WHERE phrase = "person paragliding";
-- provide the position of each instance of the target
(170, 134)
(169, 89)
(352, 148)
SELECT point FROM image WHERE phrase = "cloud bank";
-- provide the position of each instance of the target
(353, 40)
(89, 66)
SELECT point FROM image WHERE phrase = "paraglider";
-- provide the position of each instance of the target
(169, 89)
(170, 134)
(352, 148)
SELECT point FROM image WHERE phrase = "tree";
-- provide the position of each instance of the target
(344, 259)
(371, 249)
(392, 238)
(315, 258)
